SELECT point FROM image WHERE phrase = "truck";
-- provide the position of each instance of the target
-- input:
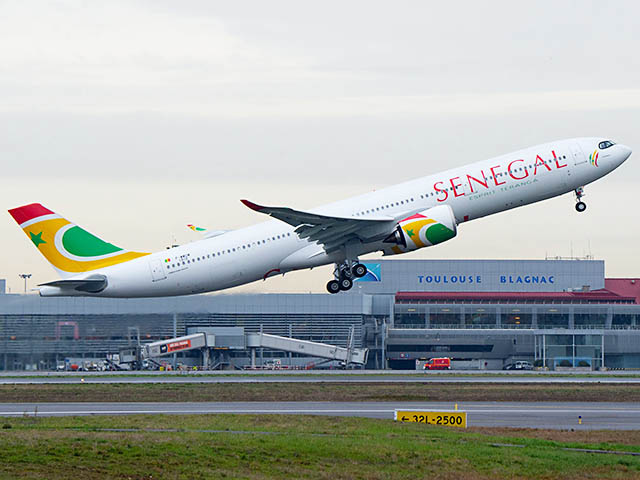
(443, 363)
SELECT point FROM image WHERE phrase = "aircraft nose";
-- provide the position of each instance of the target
(626, 152)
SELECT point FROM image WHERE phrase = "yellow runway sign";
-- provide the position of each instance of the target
(447, 419)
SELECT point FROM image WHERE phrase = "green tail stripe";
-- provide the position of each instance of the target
(81, 243)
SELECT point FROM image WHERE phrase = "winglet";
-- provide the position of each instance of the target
(252, 206)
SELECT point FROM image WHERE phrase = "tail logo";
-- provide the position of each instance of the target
(36, 239)
(593, 158)
(69, 248)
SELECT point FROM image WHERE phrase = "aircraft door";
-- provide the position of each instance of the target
(576, 152)
(157, 270)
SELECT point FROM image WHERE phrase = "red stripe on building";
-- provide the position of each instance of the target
(27, 212)
(593, 296)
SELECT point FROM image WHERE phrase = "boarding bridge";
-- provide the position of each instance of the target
(175, 345)
(223, 339)
(305, 347)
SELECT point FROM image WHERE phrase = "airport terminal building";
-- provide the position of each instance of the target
(480, 313)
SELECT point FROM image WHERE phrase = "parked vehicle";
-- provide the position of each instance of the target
(438, 364)
(519, 365)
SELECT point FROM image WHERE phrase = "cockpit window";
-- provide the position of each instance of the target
(605, 144)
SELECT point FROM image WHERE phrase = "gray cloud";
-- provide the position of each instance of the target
(134, 118)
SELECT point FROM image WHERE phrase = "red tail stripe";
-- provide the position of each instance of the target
(27, 212)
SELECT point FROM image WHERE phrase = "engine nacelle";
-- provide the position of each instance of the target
(424, 229)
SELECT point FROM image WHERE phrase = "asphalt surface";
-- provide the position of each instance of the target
(560, 415)
(308, 378)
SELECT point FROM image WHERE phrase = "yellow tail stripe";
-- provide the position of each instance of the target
(46, 231)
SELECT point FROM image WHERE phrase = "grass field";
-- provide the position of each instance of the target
(225, 392)
(256, 447)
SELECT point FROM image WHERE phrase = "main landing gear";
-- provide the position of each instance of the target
(344, 274)
(580, 205)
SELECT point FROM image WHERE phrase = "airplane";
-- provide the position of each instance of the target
(420, 213)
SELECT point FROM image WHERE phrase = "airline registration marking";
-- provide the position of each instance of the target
(444, 418)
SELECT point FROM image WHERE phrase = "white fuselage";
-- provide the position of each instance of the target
(271, 248)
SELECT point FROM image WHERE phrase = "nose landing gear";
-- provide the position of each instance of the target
(344, 274)
(580, 205)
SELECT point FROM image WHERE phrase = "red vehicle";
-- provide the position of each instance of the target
(438, 364)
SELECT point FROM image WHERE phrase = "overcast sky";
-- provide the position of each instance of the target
(135, 118)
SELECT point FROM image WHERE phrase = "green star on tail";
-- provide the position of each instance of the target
(36, 239)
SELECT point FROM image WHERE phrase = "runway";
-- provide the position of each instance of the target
(301, 377)
(560, 415)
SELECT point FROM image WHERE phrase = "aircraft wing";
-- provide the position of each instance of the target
(331, 232)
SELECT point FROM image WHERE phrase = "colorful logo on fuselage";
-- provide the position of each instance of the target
(593, 158)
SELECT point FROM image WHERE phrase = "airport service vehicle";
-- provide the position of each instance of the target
(422, 212)
(438, 364)
(519, 365)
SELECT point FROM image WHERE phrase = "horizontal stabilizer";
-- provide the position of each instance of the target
(93, 284)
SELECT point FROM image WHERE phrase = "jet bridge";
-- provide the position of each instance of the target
(212, 340)
(175, 345)
(305, 347)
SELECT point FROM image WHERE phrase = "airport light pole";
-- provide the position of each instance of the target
(25, 276)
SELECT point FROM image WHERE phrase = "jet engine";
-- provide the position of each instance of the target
(424, 229)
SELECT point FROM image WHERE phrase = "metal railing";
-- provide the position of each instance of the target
(541, 326)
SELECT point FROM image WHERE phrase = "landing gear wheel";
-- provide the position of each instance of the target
(359, 270)
(581, 206)
(333, 286)
(345, 284)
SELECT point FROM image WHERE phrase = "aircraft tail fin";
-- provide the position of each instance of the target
(67, 247)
